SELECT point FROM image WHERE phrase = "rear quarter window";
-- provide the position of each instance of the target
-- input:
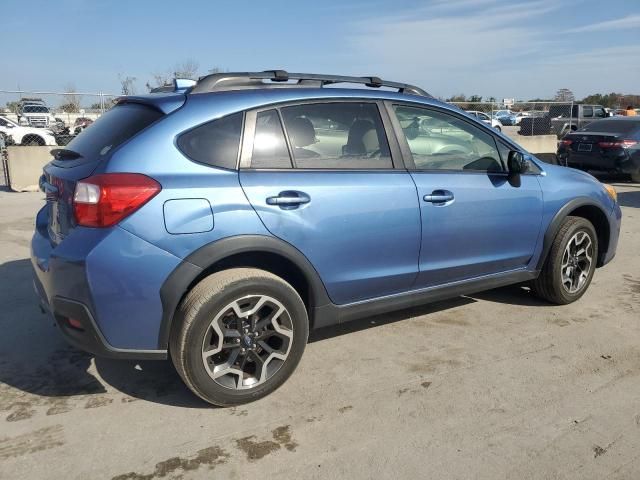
(216, 143)
(112, 129)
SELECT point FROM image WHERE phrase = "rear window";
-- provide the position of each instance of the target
(612, 126)
(215, 143)
(112, 129)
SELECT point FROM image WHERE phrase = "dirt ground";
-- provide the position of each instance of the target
(493, 386)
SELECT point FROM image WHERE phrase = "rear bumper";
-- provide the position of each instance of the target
(85, 335)
(109, 281)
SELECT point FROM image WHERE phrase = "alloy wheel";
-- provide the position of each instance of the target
(577, 262)
(247, 342)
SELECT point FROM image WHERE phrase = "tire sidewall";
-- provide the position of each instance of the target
(207, 388)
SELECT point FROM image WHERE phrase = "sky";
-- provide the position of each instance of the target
(519, 49)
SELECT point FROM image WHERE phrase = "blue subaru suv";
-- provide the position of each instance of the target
(216, 222)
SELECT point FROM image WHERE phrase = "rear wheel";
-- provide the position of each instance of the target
(571, 263)
(239, 335)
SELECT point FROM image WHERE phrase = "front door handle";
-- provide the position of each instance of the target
(439, 196)
(290, 199)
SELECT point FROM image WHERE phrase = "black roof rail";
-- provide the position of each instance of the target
(279, 78)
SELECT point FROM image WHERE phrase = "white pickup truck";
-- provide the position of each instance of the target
(20, 135)
(35, 113)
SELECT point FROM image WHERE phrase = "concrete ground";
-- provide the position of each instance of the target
(493, 386)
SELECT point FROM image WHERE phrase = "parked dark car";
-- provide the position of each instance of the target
(80, 124)
(609, 145)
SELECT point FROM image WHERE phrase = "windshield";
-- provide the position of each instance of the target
(35, 109)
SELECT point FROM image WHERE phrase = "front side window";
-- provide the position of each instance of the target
(215, 143)
(439, 141)
(346, 135)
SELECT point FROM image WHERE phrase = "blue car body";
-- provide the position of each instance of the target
(365, 243)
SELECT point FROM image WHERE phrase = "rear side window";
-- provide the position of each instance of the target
(215, 143)
(269, 145)
(112, 129)
(336, 135)
(587, 112)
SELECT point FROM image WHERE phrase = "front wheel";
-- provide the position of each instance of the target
(571, 263)
(33, 141)
(239, 334)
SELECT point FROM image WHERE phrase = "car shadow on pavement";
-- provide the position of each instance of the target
(37, 366)
(387, 318)
(511, 295)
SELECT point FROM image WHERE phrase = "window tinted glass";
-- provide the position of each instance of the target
(337, 135)
(269, 145)
(215, 143)
(113, 128)
(35, 109)
(611, 126)
(439, 141)
(599, 112)
(587, 111)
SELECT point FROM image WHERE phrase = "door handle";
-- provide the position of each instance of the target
(289, 199)
(439, 196)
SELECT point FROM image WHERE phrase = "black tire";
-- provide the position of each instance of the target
(497, 127)
(33, 140)
(549, 285)
(207, 301)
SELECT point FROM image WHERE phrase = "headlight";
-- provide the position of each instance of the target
(611, 191)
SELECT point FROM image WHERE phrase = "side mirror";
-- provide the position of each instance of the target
(516, 163)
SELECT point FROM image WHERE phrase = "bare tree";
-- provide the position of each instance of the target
(185, 69)
(564, 95)
(127, 84)
(71, 99)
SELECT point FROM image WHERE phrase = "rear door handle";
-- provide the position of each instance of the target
(439, 196)
(289, 199)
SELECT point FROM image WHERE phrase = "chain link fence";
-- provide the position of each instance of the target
(4, 170)
(526, 118)
(68, 113)
(64, 114)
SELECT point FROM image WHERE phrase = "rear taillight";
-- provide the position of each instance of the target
(104, 200)
(619, 143)
(565, 142)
